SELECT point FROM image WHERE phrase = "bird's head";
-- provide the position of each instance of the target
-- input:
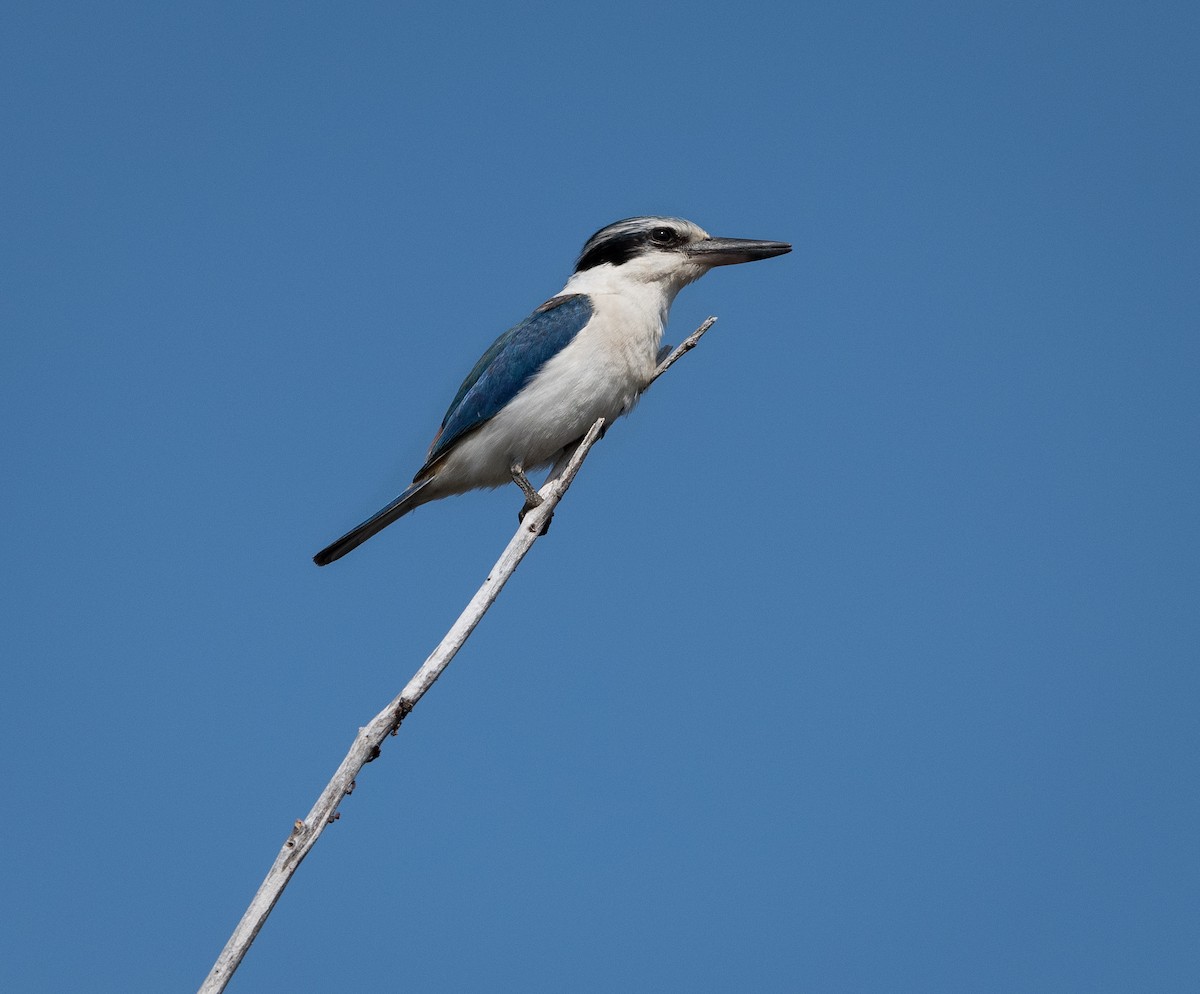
(667, 250)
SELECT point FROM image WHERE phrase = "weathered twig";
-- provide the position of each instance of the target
(682, 349)
(370, 737)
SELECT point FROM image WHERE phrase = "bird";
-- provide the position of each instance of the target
(586, 353)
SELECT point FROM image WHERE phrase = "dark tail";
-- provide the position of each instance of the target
(374, 524)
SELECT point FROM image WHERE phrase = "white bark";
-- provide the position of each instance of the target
(370, 738)
(681, 349)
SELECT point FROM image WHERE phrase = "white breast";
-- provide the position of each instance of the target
(600, 374)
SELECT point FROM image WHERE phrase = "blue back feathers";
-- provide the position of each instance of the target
(511, 362)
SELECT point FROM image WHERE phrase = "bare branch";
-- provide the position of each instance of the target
(682, 349)
(370, 738)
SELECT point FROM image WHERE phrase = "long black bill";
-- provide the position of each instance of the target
(727, 251)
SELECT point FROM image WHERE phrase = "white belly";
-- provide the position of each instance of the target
(600, 374)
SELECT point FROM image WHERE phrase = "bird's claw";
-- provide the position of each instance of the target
(532, 497)
(529, 507)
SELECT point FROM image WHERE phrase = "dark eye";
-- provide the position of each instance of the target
(662, 236)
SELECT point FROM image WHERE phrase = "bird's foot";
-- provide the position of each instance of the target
(532, 497)
(545, 526)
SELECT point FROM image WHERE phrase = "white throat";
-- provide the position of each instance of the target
(647, 286)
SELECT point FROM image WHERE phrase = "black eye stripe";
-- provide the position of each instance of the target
(621, 241)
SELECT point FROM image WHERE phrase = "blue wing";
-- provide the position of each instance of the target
(512, 361)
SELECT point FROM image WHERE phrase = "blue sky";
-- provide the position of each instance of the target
(861, 657)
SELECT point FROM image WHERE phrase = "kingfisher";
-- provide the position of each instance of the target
(586, 353)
